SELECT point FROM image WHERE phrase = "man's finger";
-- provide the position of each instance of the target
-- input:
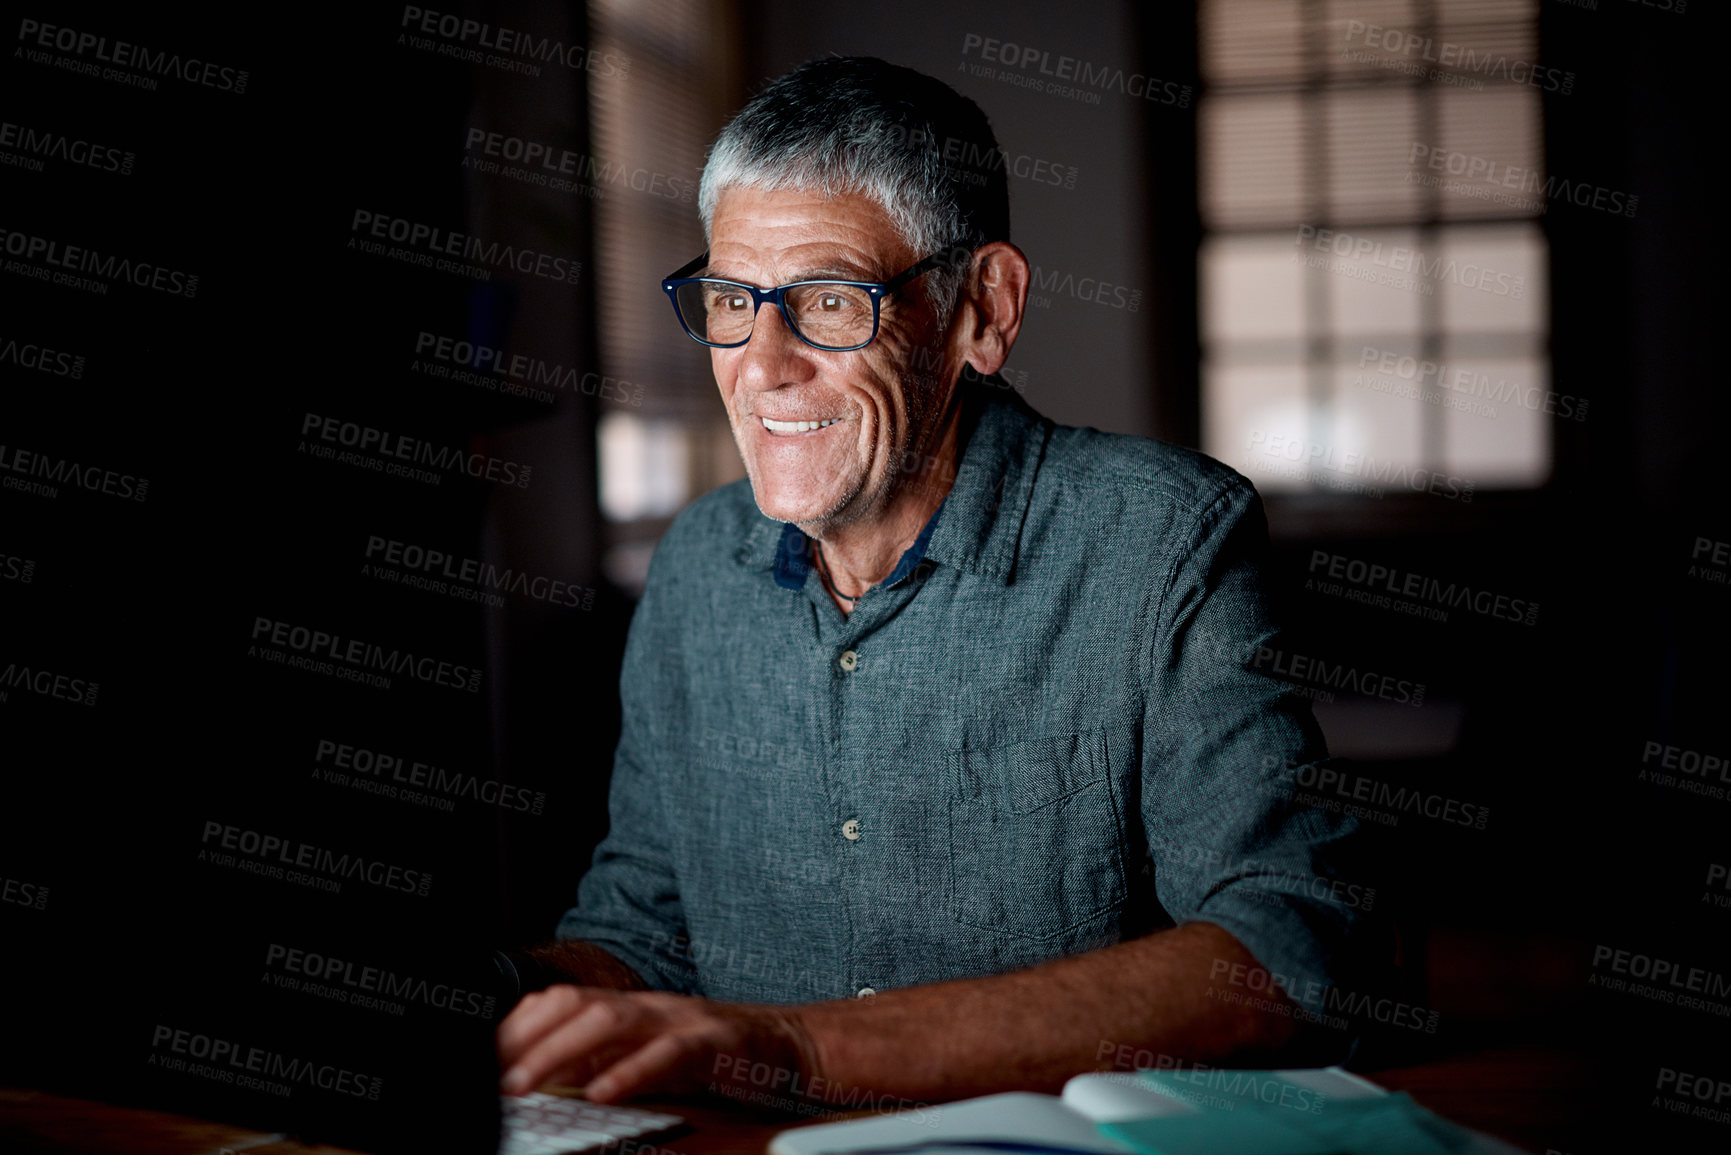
(561, 1051)
(535, 1017)
(656, 1066)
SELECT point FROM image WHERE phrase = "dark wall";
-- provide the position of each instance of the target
(266, 550)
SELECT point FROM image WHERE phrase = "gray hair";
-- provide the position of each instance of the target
(917, 148)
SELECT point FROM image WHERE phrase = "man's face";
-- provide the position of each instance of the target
(883, 401)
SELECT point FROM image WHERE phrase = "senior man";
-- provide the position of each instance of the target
(946, 765)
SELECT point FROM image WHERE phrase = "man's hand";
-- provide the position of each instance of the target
(623, 1043)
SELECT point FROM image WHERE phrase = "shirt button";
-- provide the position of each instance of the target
(849, 660)
(850, 830)
(865, 993)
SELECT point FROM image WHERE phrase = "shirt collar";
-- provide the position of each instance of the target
(980, 529)
(793, 555)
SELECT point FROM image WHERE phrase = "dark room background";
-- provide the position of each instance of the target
(340, 410)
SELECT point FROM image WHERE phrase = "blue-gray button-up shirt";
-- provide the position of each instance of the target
(1044, 734)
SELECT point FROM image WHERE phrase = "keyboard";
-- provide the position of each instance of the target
(538, 1124)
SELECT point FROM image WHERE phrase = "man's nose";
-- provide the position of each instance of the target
(774, 355)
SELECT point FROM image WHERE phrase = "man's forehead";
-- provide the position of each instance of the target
(794, 229)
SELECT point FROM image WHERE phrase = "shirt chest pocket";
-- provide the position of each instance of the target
(1036, 848)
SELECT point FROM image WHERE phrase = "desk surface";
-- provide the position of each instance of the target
(1537, 1098)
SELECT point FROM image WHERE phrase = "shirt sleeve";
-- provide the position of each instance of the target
(1233, 841)
(628, 902)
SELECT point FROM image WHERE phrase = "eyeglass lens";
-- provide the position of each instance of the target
(823, 312)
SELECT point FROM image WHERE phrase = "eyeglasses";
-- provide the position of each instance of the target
(835, 316)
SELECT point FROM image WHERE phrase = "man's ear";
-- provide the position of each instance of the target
(989, 312)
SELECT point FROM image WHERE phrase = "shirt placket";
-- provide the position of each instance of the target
(844, 649)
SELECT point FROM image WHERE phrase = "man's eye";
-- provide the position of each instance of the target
(733, 302)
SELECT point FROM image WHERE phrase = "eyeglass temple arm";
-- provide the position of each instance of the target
(959, 255)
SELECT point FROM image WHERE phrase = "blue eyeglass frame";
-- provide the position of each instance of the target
(877, 290)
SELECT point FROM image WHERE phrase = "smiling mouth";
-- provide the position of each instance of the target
(796, 426)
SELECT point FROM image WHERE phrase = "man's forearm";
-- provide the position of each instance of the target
(573, 961)
(1033, 1029)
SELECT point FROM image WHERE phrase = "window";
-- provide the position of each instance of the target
(663, 436)
(1373, 275)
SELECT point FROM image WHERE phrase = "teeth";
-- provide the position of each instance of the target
(795, 426)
